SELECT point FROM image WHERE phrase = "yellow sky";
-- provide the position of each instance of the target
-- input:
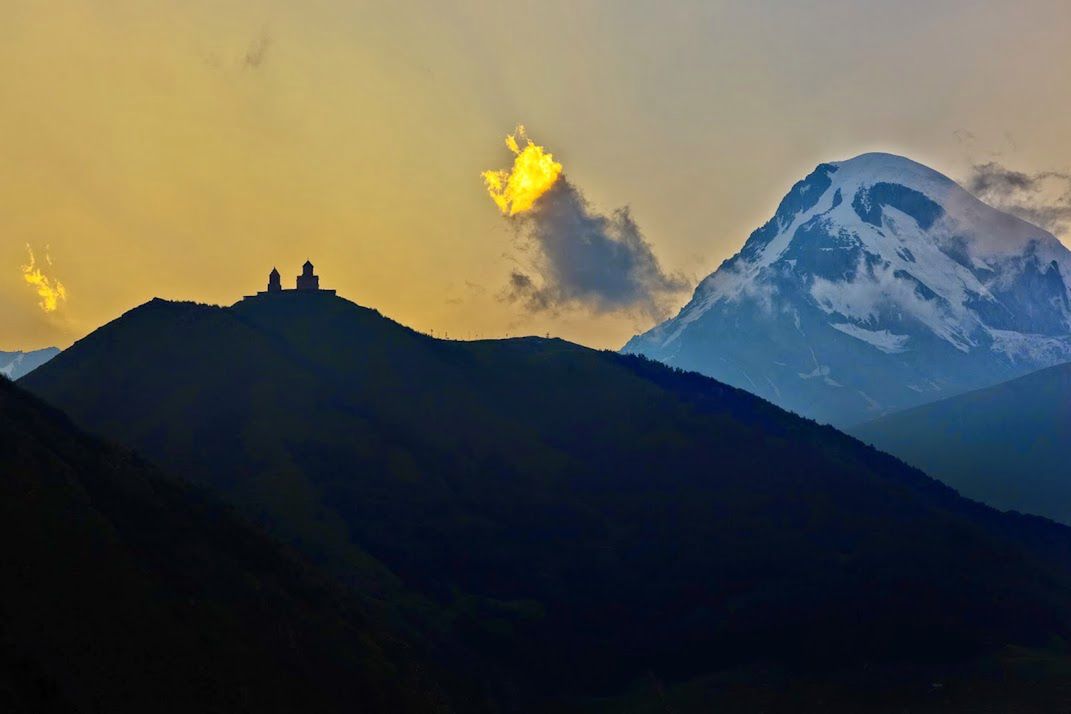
(181, 149)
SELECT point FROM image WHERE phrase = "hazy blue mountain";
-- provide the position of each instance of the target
(879, 284)
(17, 364)
(598, 529)
(1007, 445)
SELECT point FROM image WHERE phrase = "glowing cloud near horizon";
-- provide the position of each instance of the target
(50, 290)
(575, 256)
(534, 172)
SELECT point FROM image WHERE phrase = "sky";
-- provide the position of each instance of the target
(182, 149)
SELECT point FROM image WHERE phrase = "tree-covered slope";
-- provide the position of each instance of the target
(126, 592)
(1005, 445)
(582, 519)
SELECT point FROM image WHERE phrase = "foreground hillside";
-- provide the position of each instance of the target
(124, 592)
(878, 285)
(1006, 445)
(595, 526)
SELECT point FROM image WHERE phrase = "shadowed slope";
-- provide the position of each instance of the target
(126, 592)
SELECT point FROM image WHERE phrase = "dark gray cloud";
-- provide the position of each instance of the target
(475, 288)
(963, 136)
(581, 258)
(1043, 198)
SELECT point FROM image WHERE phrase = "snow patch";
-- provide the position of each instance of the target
(884, 340)
(1024, 347)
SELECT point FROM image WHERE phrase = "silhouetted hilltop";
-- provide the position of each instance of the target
(585, 521)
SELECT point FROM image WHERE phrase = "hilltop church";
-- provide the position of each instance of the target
(307, 282)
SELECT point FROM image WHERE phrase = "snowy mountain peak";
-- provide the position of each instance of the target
(882, 256)
(878, 165)
(14, 365)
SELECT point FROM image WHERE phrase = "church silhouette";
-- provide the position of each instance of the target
(307, 282)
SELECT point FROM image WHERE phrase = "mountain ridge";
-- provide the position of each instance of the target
(575, 517)
(1004, 445)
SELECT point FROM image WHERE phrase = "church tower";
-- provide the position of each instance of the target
(275, 283)
(308, 280)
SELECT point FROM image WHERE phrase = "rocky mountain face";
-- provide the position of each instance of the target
(878, 285)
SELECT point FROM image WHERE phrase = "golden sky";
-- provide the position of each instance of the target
(181, 149)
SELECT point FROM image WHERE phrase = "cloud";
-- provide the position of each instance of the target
(257, 52)
(475, 288)
(963, 136)
(48, 288)
(1043, 198)
(582, 258)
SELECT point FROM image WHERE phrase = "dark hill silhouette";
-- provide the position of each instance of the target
(584, 520)
(126, 592)
(1008, 445)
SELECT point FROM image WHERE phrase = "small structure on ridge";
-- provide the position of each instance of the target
(275, 284)
(307, 282)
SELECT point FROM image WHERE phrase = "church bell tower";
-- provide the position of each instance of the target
(308, 280)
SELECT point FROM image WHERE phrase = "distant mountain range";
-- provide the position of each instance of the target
(599, 531)
(17, 364)
(124, 591)
(879, 284)
(1008, 445)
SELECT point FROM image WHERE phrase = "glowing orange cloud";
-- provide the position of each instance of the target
(534, 172)
(50, 290)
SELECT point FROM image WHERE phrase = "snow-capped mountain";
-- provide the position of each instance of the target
(879, 284)
(15, 364)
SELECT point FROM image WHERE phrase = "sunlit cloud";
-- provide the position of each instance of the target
(578, 256)
(49, 289)
(534, 171)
